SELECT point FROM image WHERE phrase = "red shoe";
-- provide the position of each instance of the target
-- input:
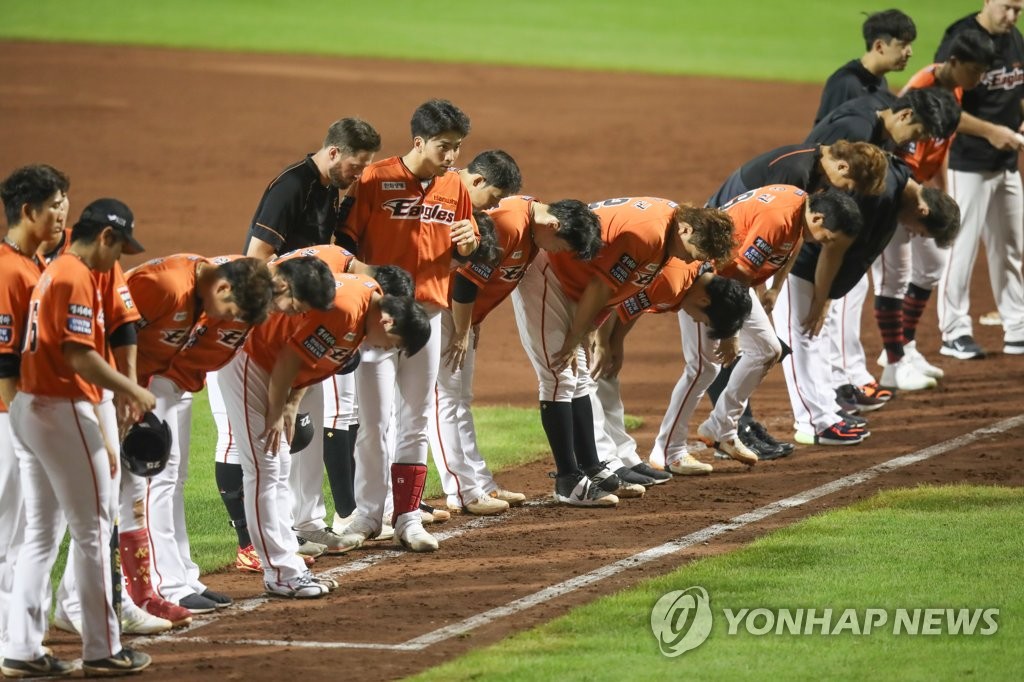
(161, 608)
(248, 560)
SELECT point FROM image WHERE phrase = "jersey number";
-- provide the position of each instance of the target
(32, 331)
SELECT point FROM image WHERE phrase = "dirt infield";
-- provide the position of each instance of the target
(189, 140)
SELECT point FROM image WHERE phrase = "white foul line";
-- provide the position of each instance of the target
(639, 559)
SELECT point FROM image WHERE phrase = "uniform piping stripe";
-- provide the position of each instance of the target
(256, 464)
(152, 547)
(444, 450)
(96, 493)
(791, 361)
(689, 391)
(788, 154)
(543, 337)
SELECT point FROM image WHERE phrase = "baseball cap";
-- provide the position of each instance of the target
(118, 216)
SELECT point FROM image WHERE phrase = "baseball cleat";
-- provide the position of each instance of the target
(135, 621)
(324, 538)
(853, 399)
(513, 499)
(688, 465)
(992, 319)
(486, 506)
(197, 603)
(413, 537)
(650, 472)
(1013, 347)
(628, 475)
(755, 436)
(433, 515)
(733, 447)
(578, 490)
(218, 598)
(125, 662)
(248, 560)
(916, 359)
(161, 608)
(44, 666)
(839, 433)
(962, 348)
(905, 376)
(302, 587)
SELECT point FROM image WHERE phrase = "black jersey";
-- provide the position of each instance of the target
(856, 121)
(850, 81)
(794, 164)
(997, 99)
(881, 216)
(296, 210)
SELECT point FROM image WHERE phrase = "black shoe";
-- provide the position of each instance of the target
(44, 666)
(852, 419)
(603, 478)
(125, 662)
(647, 470)
(629, 476)
(763, 450)
(962, 348)
(846, 399)
(197, 603)
(218, 598)
(774, 449)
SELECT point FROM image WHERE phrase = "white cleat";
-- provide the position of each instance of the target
(905, 376)
(688, 465)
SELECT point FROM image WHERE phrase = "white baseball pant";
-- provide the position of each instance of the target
(12, 521)
(908, 259)
(65, 474)
(227, 447)
(306, 479)
(992, 212)
(700, 370)
(268, 500)
(846, 353)
(390, 383)
(807, 369)
(341, 409)
(613, 441)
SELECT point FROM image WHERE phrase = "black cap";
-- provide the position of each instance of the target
(118, 216)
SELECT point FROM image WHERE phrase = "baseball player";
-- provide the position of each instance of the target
(523, 226)
(887, 36)
(171, 294)
(891, 123)
(559, 299)
(409, 211)
(797, 315)
(33, 197)
(302, 207)
(63, 372)
(984, 179)
(717, 303)
(280, 358)
(858, 167)
(909, 267)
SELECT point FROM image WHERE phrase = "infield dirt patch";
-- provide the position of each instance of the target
(190, 140)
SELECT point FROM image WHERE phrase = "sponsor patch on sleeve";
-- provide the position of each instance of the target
(754, 256)
(80, 325)
(619, 273)
(126, 298)
(763, 245)
(79, 310)
(392, 186)
(6, 319)
(485, 271)
(315, 348)
(324, 335)
(6, 335)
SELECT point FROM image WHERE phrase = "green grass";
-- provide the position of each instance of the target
(790, 40)
(928, 547)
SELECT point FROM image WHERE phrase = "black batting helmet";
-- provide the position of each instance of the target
(146, 446)
(303, 432)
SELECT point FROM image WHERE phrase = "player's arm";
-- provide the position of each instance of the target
(280, 209)
(124, 346)
(607, 354)
(464, 293)
(9, 370)
(279, 397)
(258, 248)
(829, 261)
(768, 295)
(999, 136)
(595, 297)
(91, 366)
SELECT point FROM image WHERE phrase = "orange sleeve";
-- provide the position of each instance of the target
(15, 293)
(359, 217)
(118, 305)
(312, 340)
(73, 302)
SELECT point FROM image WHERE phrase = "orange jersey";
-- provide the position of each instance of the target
(164, 290)
(512, 220)
(925, 156)
(323, 339)
(395, 221)
(65, 307)
(665, 293)
(768, 224)
(118, 306)
(337, 258)
(210, 345)
(18, 277)
(635, 232)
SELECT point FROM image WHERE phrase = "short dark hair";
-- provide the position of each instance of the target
(30, 185)
(840, 210)
(352, 135)
(973, 46)
(412, 324)
(499, 169)
(887, 25)
(488, 252)
(394, 280)
(712, 230)
(252, 287)
(728, 308)
(310, 280)
(578, 226)
(943, 219)
(935, 107)
(437, 117)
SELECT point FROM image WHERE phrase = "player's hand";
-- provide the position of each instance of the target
(140, 401)
(815, 320)
(454, 356)
(564, 356)
(273, 436)
(464, 238)
(288, 418)
(1004, 138)
(604, 361)
(727, 350)
(768, 298)
(476, 336)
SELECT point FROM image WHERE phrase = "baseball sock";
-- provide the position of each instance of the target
(340, 470)
(583, 439)
(556, 418)
(229, 483)
(719, 384)
(914, 303)
(888, 315)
